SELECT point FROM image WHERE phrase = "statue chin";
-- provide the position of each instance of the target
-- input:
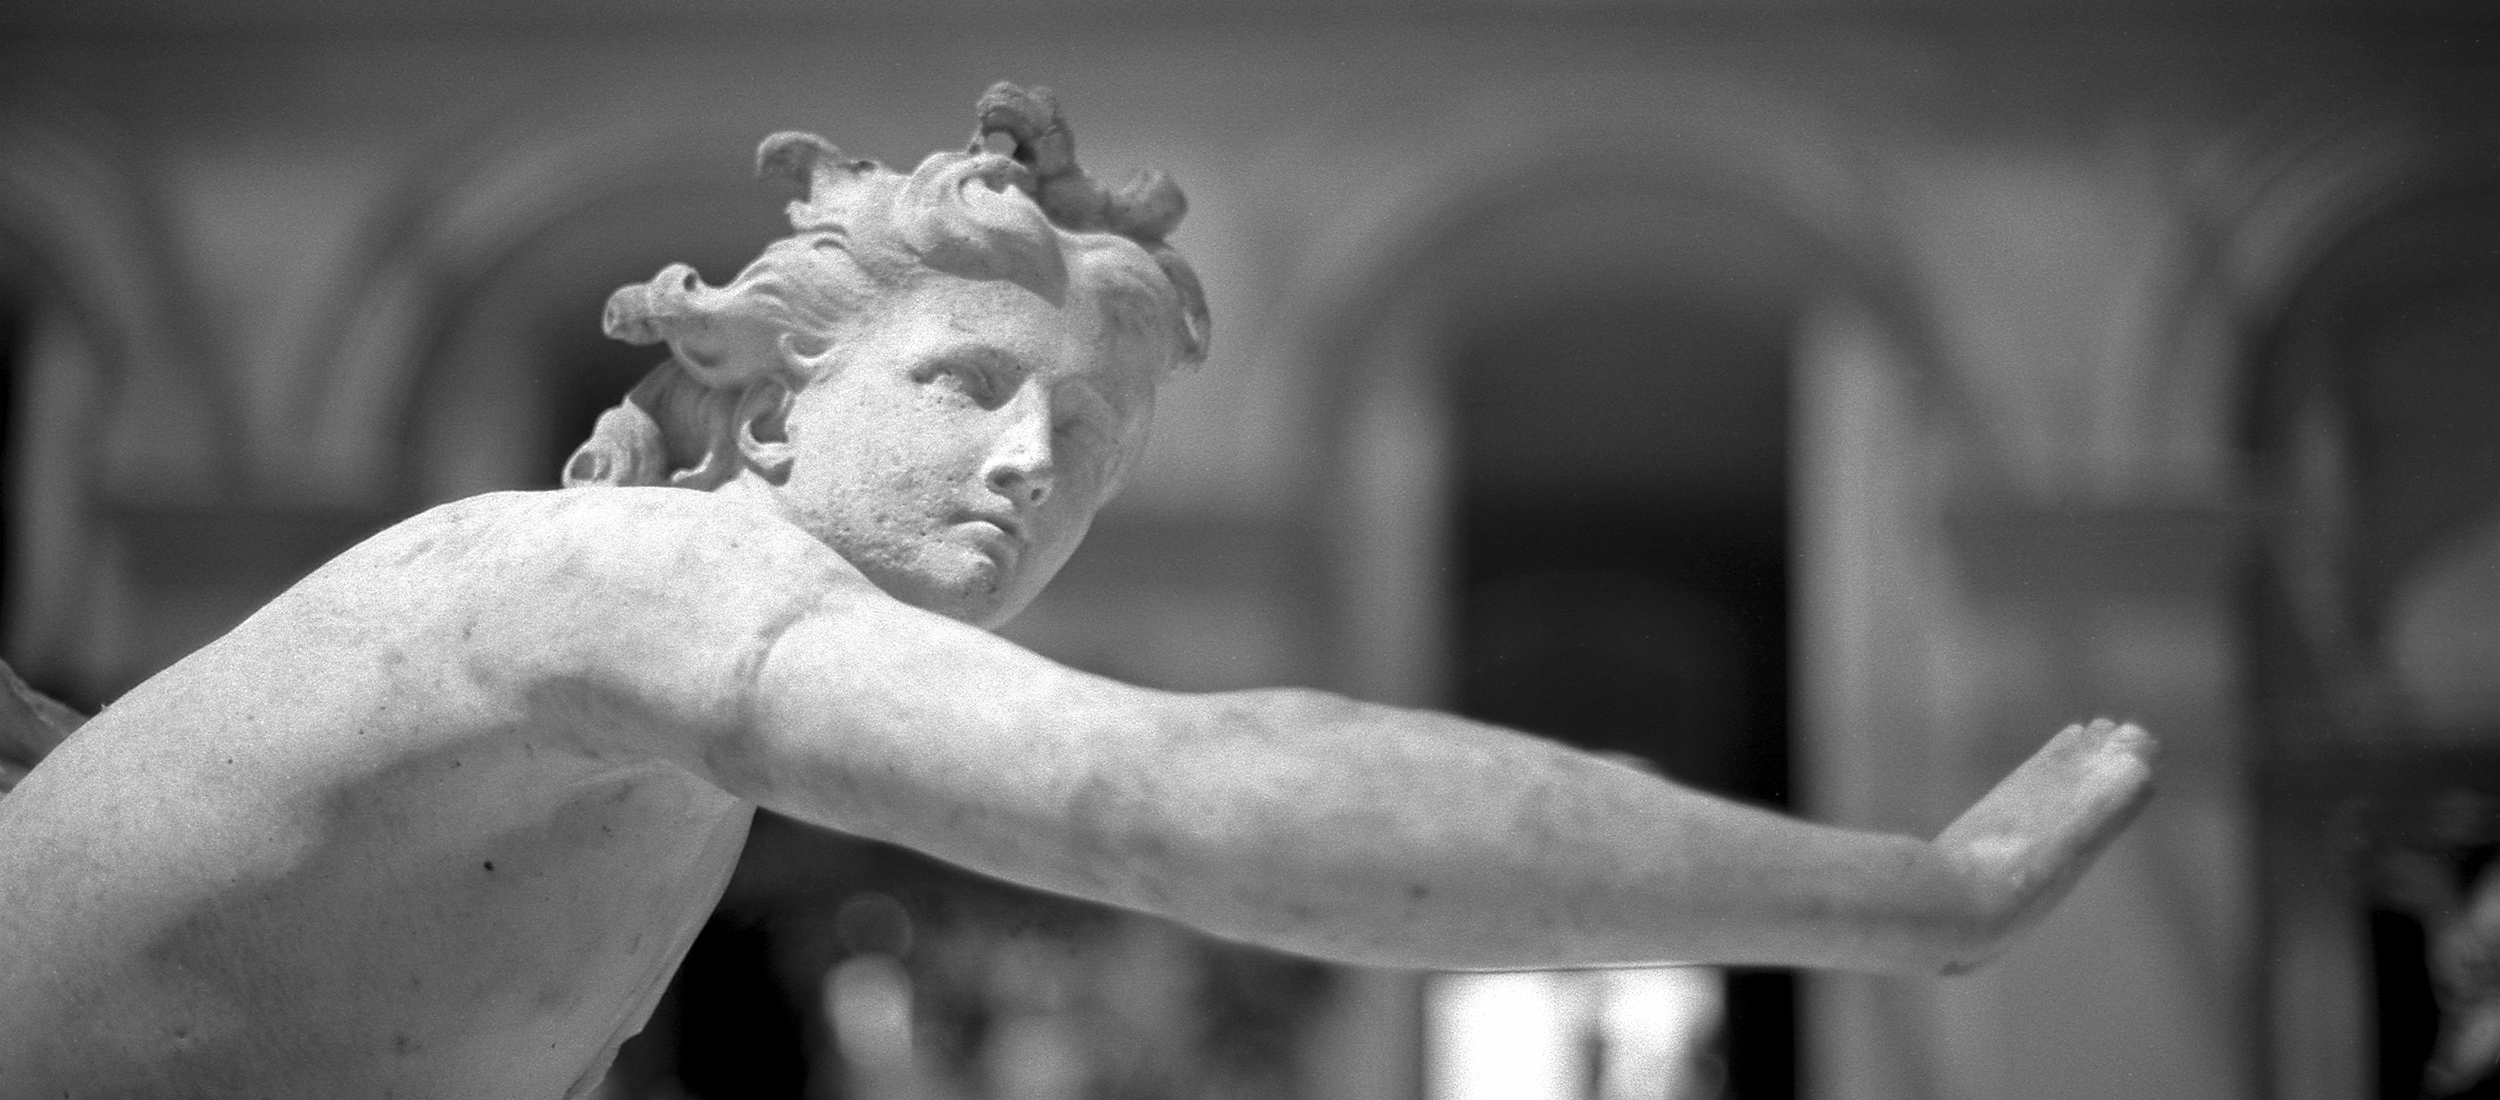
(960, 583)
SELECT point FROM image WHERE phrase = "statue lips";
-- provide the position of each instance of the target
(1003, 539)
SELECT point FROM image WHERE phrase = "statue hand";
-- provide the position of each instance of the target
(2025, 844)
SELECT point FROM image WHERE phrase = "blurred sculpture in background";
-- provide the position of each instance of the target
(442, 819)
(31, 723)
(2430, 856)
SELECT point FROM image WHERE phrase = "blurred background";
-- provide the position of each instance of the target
(1823, 401)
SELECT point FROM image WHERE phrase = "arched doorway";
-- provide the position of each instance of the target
(1621, 538)
(112, 410)
(515, 375)
(1566, 437)
(2376, 584)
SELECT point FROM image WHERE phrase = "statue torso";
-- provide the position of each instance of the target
(346, 851)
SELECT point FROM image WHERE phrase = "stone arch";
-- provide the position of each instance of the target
(444, 234)
(520, 368)
(1792, 177)
(2263, 207)
(1784, 169)
(2366, 215)
(119, 387)
(84, 232)
(1783, 166)
(2335, 248)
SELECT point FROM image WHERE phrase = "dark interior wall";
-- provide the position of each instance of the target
(12, 333)
(1623, 569)
(1623, 487)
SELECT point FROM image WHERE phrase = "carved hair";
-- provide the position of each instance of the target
(863, 231)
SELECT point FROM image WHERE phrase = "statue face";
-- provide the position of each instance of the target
(959, 441)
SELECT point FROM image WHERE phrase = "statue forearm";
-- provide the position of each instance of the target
(1404, 838)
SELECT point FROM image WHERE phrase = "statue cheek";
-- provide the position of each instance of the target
(925, 437)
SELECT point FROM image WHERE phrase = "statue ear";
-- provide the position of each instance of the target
(761, 424)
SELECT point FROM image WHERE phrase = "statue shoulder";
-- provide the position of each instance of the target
(657, 600)
(605, 536)
(695, 544)
(587, 563)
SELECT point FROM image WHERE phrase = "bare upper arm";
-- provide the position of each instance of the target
(637, 618)
(885, 703)
(890, 722)
(745, 650)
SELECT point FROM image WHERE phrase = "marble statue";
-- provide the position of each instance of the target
(440, 820)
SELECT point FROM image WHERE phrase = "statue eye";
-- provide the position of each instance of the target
(1081, 431)
(1085, 427)
(1088, 418)
(965, 379)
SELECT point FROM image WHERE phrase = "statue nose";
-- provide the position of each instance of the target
(1022, 468)
(1028, 488)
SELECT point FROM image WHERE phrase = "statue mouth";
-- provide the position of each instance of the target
(1010, 529)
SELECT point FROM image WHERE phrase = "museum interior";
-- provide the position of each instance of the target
(1818, 401)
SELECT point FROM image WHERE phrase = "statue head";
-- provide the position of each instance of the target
(942, 374)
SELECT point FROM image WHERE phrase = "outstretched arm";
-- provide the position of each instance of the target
(1375, 835)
